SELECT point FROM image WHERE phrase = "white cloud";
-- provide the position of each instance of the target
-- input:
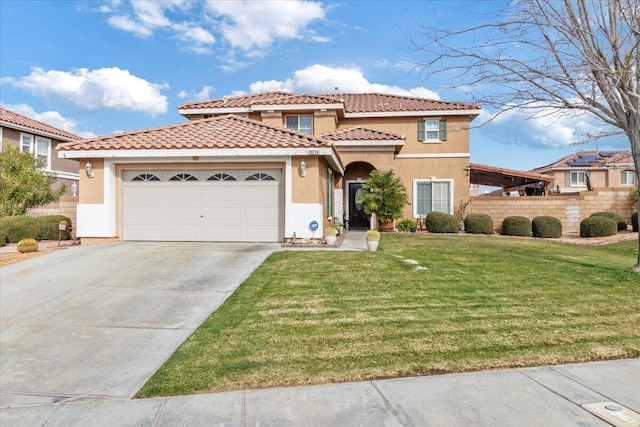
(538, 126)
(323, 79)
(205, 93)
(52, 118)
(253, 24)
(127, 24)
(95, 89)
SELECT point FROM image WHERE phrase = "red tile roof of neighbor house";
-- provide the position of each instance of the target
(11, 118)
(361, 134)
(590, 159)
(353, 102)
(229, 131)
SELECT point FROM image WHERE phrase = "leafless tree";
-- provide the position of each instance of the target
(550, 57)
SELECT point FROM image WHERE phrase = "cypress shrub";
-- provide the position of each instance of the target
(546, 227)
(49, 227)
(596, 226)
(516, 226)
(478, 224)
(621, 221)
(634, 221)
(19, 227)
(439, 222)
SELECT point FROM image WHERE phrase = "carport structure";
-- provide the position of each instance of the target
(508, 179)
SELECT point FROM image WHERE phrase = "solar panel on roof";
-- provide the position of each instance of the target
(608, 153)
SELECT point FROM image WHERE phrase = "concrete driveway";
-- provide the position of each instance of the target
(95, 322)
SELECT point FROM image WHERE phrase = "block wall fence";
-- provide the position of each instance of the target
(65, 206)
(569, 209)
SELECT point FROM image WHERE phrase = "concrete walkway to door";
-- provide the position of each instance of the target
(95, 322)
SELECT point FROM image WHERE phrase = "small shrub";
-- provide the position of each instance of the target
(49, 227)
(546, 227)
(27, 245)
(619, 219)
(3, 238)
(634, 221)
(596, 226)
(19, 227)
(372, 235)
(439, 222)
(405, 224)
(516, 226)
(478, 224)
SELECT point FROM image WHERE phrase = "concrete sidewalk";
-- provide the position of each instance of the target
(546, 396)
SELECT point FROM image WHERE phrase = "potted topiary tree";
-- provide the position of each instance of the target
(383, 195)
(373, 239)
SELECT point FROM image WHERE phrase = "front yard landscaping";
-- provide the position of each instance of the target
(482, 302)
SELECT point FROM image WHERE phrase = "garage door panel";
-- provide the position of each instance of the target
(202, 210)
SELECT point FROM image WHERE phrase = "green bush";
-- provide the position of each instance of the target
(596, 226)
(405, 224)
(546, 227)
(634, 221)
(516, 226)
(49, 227)
(19, 227)
(478, 224)
(619, 219)
(3, 238)
(439, 222)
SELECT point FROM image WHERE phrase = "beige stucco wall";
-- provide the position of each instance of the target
(91, 190)
(569, 209)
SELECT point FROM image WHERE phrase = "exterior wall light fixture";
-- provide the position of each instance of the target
(303, 168)
(89, 169)
(74, 189)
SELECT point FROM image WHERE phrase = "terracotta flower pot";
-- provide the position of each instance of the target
(386, 226)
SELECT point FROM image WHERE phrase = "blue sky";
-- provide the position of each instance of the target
(97, 67)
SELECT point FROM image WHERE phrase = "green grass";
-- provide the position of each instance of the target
(483, 302)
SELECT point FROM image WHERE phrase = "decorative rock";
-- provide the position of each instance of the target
(419, 268)
(410, 261)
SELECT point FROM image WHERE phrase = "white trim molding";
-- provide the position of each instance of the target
(433, 156)
(414, 113)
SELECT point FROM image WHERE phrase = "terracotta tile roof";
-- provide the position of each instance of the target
(381, 102)
(10, 117)
(229, 131)
(589, 159)
(353, 102)
(361, 134)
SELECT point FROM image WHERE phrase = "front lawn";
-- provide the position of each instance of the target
(483, 302)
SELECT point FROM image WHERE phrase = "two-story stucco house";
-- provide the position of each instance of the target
(265, 166)
(40, 140)
(599, 169)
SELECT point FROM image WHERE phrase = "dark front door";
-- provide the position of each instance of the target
(357, 217)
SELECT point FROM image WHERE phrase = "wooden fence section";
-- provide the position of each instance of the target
(569, 209)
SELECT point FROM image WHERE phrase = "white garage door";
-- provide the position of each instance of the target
(211, 205)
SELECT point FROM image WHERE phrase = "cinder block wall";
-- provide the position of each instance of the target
(569, 209)
(66, 206)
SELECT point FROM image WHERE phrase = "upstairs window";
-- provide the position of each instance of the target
(628, 178)
(300, 122)
(26, 143)
(432, 130)
(43, 146)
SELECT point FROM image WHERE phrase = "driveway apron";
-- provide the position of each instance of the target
(94, 323)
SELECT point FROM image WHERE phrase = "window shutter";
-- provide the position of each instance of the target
(443, 130)
(421, 133)
(567, 179)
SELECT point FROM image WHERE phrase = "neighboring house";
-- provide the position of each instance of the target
(265, 167)
(599, 169)
(40, 140)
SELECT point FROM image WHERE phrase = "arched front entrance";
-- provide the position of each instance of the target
(355, 175)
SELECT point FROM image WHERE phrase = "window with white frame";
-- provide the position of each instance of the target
(26, 143)
(300, 122)
(432, 196)
(432, 130)
(577, 178)
(628, 178)
(42, 151)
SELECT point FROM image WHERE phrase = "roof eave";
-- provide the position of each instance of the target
(36, 131)
(424, 113)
